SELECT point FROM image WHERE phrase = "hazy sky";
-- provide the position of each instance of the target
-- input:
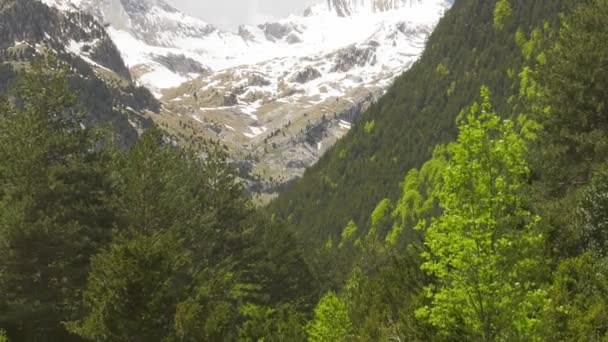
(228, 14)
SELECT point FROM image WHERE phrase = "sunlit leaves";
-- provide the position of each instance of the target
(484, 246)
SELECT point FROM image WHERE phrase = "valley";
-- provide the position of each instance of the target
(277, 95)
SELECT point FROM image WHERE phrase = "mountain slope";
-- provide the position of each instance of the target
(107, 93)
(278, 95)
(399, 131)
(280, 115)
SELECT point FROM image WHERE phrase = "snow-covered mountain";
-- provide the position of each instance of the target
(165, 47)
(107, 92)
(278, 94)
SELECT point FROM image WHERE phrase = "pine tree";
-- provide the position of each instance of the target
(134, 289)
(52, 204)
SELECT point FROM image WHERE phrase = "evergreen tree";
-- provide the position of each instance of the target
(578, 305)
(53, 216)
(133, 290)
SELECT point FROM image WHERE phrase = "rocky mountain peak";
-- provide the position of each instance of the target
(345, 8)
(154, 22)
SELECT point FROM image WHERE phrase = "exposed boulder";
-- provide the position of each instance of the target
(306, 75)
(181, 64)
(353, 56)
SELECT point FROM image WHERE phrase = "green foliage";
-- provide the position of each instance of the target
(279, 271)
(379, 218)
(331, 321)
(132, 290)
(152, 243)
(417, 202)
(369, 126)
(3, 337)
(502, 12)
(348, 234)
(210, 313)
(411, 119)
(565, 94)
(452, 89)
(181, 227)
(157, 243)
(279, 324)
(575, 86)
(442, 70)
(381, 303)
(591, 225)
(52, 213)
(578, 309)
(484, 248)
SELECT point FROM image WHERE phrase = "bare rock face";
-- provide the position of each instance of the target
(279, 31)
(213, 97)
(353, 56)
(257, 80)
(181, 64)
(145, 19)
(343, 8)
(230, 100)
(293, 39)
(306, 75)
(346, 8)
(245, 34)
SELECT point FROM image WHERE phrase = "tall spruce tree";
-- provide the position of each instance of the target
(52, 204)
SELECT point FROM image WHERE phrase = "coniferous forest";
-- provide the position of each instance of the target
(470, 203)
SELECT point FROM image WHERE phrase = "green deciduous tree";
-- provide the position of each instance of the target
(484, 248)
(502, 12)
(331, 321)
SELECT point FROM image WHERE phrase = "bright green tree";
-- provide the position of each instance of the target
(484, 248)
(331, 322)
(502, 12)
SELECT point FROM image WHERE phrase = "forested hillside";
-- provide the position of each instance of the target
(499, 233)
(400, 131)
(150, 244)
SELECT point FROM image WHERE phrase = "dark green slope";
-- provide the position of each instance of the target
(418, 112)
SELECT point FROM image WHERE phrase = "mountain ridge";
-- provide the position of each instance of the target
(106, 90)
